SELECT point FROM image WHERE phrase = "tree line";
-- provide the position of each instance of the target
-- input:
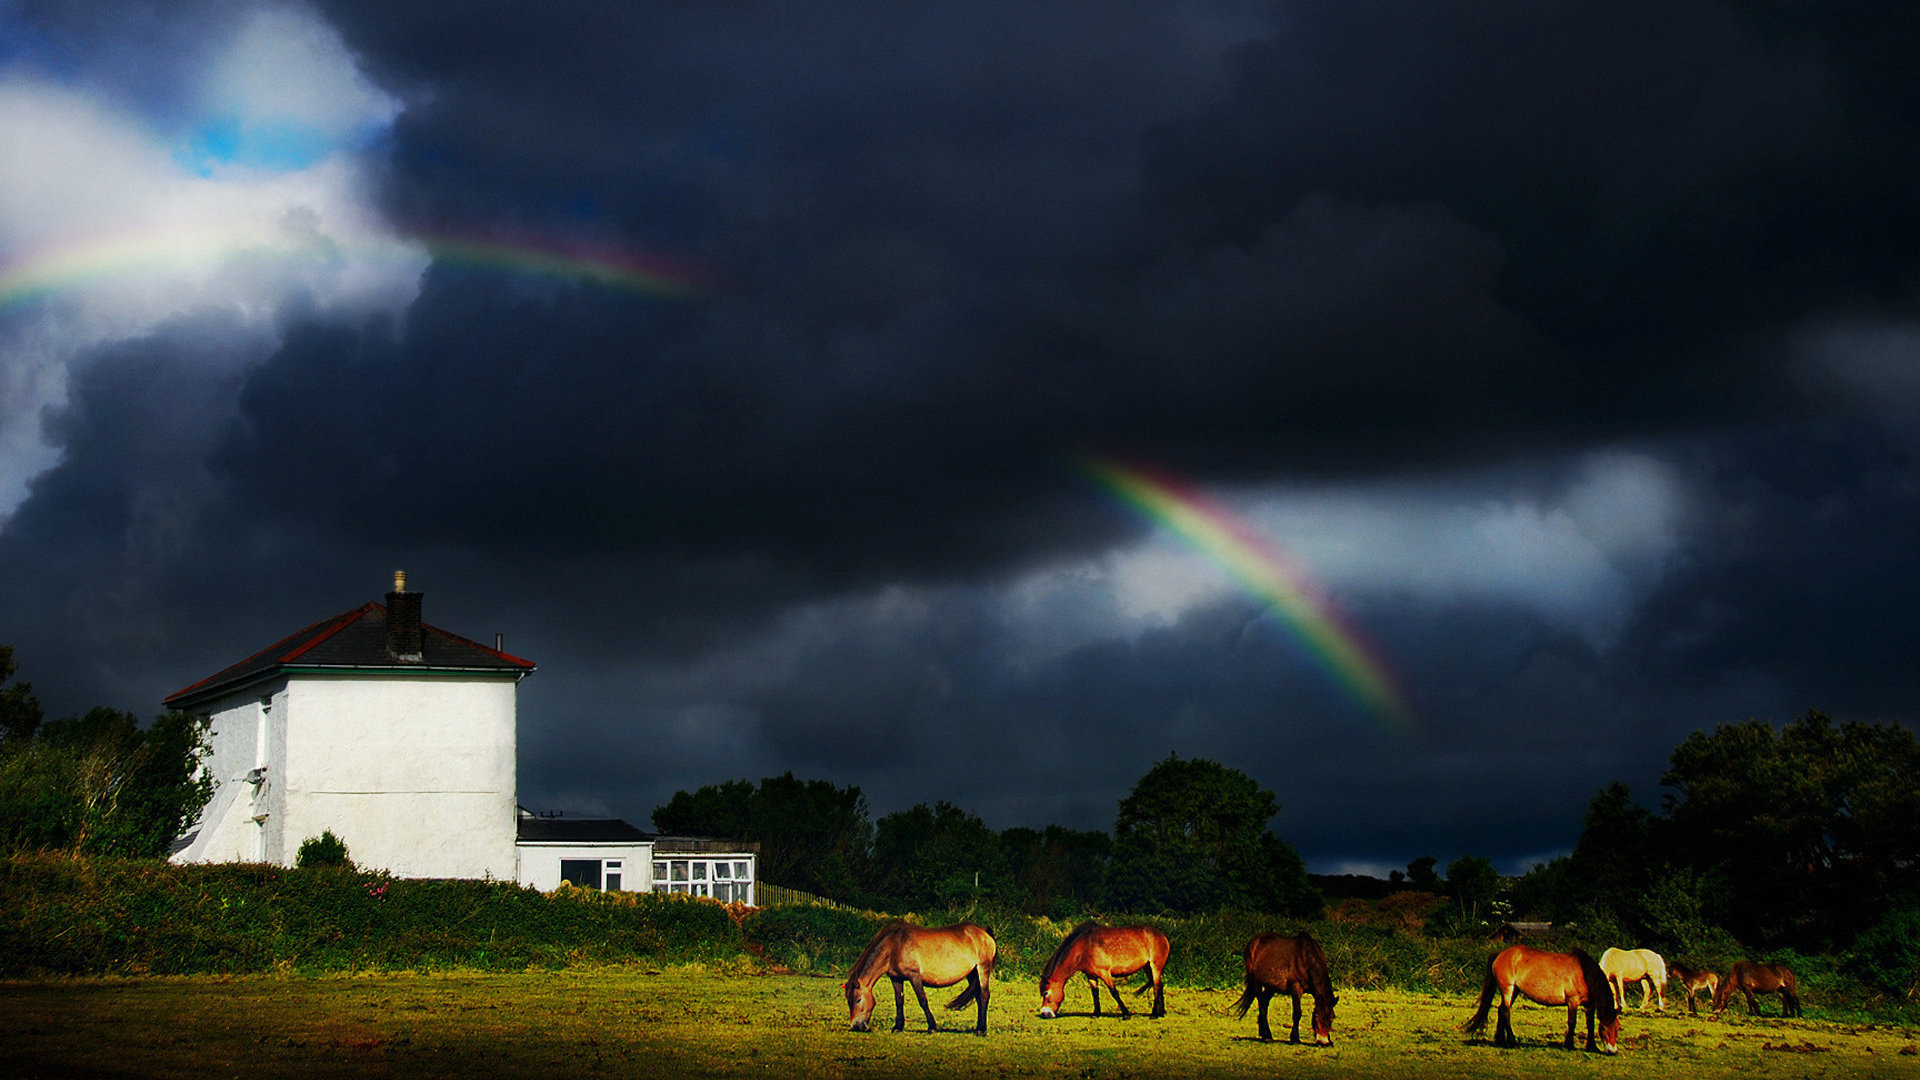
(1193, 835)
(1805, 836)
(95, 784)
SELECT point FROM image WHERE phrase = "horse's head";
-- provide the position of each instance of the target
(859, 1004)
(1052, 993)
(1323, 1018)
(1610, 1032)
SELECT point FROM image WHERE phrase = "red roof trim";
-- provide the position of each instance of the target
(339, 624)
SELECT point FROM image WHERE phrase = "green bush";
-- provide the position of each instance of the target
(1887, 955)
(323, 850)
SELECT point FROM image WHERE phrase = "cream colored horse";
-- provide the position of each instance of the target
(1625, 967)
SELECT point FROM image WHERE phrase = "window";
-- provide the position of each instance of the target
(723, 892)
(740, 871)
(722, 871)
(613, 875)
(699, 871)
(659, 871)
(679, 872)
(582, 872)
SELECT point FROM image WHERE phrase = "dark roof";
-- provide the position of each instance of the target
(580, 830)
(353, 641)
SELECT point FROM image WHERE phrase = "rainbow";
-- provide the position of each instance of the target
(1265, 571)
(87, 261)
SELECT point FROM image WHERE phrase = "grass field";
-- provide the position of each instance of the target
(693, 1021)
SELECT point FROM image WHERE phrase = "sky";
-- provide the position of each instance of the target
(794, 384)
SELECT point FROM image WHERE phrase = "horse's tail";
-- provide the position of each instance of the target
(1253, 985)
(1487, 989)
(965, 999)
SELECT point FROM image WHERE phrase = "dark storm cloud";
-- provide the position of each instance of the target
(957, 246)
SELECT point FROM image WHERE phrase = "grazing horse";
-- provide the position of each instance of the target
(1694, 980)
(925, 957)
(1102, 952)
(1625, 967)
(1288, 965)
(1749, 978)
(1570, 979)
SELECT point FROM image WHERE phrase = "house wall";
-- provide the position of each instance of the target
(228, 831)
(416, 773)
(540, 862)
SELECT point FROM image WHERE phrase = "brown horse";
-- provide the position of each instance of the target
(925, 957)
(1570, 979)
(1694, 980)
(1288, 965)
(1750, 978)
(1102, 952)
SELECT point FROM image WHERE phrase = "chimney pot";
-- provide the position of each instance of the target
(399, 581)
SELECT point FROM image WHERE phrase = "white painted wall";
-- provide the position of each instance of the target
(416, 773)
(540, 862)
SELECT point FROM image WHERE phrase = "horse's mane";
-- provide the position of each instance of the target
(1604, 1005)
(872, 951)
(1060, 954)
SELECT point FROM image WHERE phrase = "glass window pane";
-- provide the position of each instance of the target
(699, 871)
(680, 871)
(722, 870)
(613, 880)
(582, 872)
(740, 870)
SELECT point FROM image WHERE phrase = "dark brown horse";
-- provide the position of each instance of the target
(1288, 965)
(1750, 978)
(1103, 952)
(1571, 979)
(924, 957)
(1695, 981)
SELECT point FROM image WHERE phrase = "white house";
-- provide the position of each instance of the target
(401, 738)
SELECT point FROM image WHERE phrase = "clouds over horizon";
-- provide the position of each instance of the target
(1569, 349)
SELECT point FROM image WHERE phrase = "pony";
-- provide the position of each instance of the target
(1288, 965)
(1694, 980)
(925, 957)
(1101, 953)
(1550, 978)
(1626, 967)
(1749, 977)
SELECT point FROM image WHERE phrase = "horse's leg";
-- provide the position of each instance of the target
(1753, 1007)
(1503, 1031)
(1295, 1037)
(1266, 995)
(899, 1003)
(980, 981)
(1159, 991)
(920, 991)
(1573, 1019)
(1093, 987)
(1106, 978)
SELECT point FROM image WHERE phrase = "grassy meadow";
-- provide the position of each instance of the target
(697, 1019)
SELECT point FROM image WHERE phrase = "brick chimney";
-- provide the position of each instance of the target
(405, 639)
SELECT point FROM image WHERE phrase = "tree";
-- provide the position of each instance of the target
(722, 809)
(1420, 873)
(101, 784)
(1474, 884)
(1058, 871)
(812, 835)
(1801, 835)
(1193, 836)
(935, 855)
(20, 713)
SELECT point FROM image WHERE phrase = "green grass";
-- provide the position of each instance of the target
(696, 1019)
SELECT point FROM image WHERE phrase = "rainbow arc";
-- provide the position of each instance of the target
(1264, 570)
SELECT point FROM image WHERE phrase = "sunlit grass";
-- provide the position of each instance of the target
(686, 1020)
